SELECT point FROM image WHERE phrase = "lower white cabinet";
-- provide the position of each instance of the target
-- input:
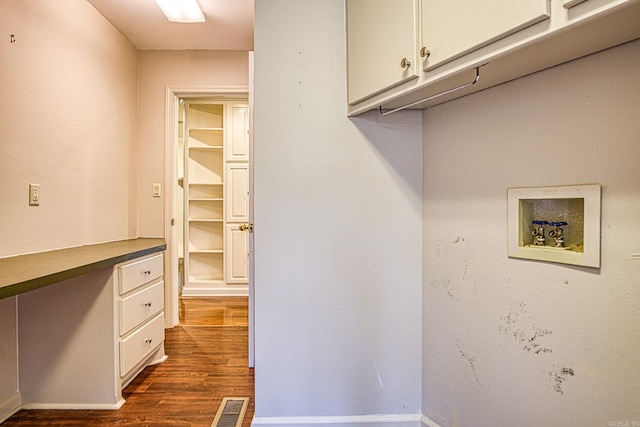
(140, 319)
(82, 340)
(133, 274)
(135, 347)
(140, 306)
(237, 254)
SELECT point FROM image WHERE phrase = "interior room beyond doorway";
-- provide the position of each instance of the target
(213, 197)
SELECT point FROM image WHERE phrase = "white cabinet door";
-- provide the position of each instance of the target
(237, 192)
(237, 255)
(452, 28)
(381, 45)
(237, 133)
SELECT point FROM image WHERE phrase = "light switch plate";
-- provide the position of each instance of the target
(157, 189)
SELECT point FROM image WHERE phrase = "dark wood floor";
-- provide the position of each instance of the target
(208, 358)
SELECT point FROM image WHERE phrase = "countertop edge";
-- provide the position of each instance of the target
(63, 264)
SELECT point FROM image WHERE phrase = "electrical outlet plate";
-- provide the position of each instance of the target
(34, 194)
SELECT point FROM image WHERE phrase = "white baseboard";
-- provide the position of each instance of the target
(9, 406)
(347, 421)
(75, 406)
(429, 423)
(400, 420)
(215, 292)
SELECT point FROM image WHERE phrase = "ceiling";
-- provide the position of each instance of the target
(228, 25)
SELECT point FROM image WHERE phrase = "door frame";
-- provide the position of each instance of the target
(172, 95)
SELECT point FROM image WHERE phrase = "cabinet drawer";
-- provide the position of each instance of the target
(141, 343)
(140, 306)
(130, 276)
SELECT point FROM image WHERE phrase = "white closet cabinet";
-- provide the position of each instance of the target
(237, 145)
(451, 29)
(381, 45)
(237, 195)
(237, 268)
(238, 229)
(216, 185)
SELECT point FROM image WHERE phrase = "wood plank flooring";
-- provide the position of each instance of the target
(223, 311)
(208, 359)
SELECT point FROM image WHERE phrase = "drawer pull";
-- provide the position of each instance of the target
(147, 304)
(147, 271)
(148, 340)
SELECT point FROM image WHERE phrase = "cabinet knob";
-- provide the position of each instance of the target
(405, 63)
(147, 304)
(424, 52)
(147, 271)
(148, 340)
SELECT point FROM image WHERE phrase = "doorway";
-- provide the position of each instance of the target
(203, 257)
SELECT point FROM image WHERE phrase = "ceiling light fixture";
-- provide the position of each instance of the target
(181, 10)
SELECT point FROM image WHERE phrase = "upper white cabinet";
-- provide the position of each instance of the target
(451, 29)
(381, 44)
(237, 144)
(418, 53)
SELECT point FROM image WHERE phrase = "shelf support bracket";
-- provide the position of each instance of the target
(437, 95)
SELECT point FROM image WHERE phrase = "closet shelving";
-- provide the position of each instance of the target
(205, 192)
(216, 197)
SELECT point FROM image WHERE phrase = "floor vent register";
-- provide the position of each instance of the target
(231, 412)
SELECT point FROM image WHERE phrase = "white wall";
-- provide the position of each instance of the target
(338, 242)
(511, 342)
(159, 69)
(68, 123)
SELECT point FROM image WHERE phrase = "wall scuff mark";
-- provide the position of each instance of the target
(470, 359)
(558, 377)
(518, 325)
(447, 285)
(450, 256)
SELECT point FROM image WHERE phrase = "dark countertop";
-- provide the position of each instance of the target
(23, 273)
